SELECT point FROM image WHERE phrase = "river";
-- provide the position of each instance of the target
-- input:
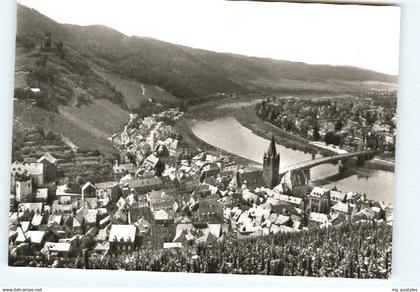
(228, 134)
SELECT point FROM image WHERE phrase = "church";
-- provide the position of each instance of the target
(253, 178)
(271, 165)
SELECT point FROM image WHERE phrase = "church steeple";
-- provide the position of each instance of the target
(271, 165)
(272, 148)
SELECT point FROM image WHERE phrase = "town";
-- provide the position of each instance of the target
(167, 207)
(352, 123)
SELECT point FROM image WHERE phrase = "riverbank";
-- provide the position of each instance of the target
(196, 143)
(246, 117)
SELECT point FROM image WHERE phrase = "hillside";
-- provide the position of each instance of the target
(88, 127)
(182, 71)
(90, 84)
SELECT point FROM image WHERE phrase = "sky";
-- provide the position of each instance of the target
(354, 35)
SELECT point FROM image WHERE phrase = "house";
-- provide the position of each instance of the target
(144, 185)
(50, 166)
(35, 208)
(59, 209)
(163, 216)
(295, 201)
(63, 191)
(249, 196)
(155, 163)
(123, 169)
(63, 248)
(317, 220)
(320, 200)
(54, 220)
(34, 170)
(209, 170)
(343, 208)
(366, 214)
(187, 182)
(159, 200)
(209, 211)
(294, 179)
(23, 189)
(285, 208)
(112, 188)
(282, 220)
(76, 225)
(37, 238)
(36, 221)
(122, 237)
(249, 177)
(88, 190)
(41, 194)
(337, 196)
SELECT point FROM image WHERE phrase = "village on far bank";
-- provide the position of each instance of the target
(164, 195)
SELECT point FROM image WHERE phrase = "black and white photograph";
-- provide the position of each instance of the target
(211, 136)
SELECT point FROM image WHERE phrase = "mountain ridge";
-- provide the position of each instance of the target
(184, 71)
(100, 72)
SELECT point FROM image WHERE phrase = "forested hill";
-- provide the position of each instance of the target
(186, 72)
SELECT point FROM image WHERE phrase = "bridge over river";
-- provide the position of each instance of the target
(308, 164)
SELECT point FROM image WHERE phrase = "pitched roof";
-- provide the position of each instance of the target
(318, 217)
(35, 236)
(144, 182)
(36, 220)
(337, 195)
(281, 219)
(289, 199)
(86, 185)
(47, 156)
(126, 233)
(54, 219)
(106, 184)
(318, 191)
(58, 246)
(341, 207)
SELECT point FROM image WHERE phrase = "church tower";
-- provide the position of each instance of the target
(271, 165)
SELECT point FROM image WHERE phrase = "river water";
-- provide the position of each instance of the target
(228, 134)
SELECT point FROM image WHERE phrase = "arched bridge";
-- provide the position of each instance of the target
(306, 165)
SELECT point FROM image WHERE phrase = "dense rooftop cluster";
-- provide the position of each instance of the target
(364, 123)
(169, 208)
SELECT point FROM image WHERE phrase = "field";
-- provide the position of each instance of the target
(87, 126)
(134, 92)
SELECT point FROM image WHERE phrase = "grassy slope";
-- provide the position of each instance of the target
(88, 126)
(135, 93)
